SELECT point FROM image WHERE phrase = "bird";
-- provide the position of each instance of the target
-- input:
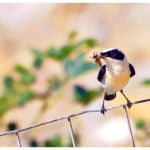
(114, 74)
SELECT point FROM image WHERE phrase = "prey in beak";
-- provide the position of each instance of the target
(97, 58)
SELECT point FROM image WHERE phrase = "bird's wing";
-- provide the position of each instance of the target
(132, 70)
(101, 73)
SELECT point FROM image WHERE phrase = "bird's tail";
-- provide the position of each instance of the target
(109, 97)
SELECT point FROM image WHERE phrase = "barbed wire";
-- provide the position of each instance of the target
(68, 117)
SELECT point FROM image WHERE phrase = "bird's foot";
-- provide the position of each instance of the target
(103, 110)
(129, 104)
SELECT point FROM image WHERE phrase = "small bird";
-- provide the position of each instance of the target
(114, 75)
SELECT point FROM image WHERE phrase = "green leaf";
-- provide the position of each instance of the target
(38, 53)
(27, 78)
(55, 85)
(146, 82)
(139, 124)
(90, 42)
(77, 66)
(60, 53)
(85, 96)
(37, 62)
(8, 85)
(20, 69)
(54, 142)
(66, 50)
(3, 106)
(8, 81)
(39, 56)
(25, 96)
(95, 93)
(81, 94)
(53, 52)
(68, 64)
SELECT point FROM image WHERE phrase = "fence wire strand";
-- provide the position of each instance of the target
(68, 117)
(71, 132)
(18, 139)
(129, 125)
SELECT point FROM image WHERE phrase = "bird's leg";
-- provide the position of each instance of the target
(103, 110)
(129, 103)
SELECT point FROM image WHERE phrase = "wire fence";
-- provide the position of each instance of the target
(68, 118)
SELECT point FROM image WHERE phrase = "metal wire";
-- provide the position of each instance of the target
(71, 132)
(18, 139)
(129, 126)
(69, 116)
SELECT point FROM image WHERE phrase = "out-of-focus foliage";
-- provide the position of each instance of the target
(58, 141)
(146, 82)
(33, 143)
(60, 54)
(12, 126)
(8, 85)
(54, 142)
(139, 124)
(143, 132)
(26, 77)
(65, 51)
(85, 96)
(38, 58)
(77, 66)
(25, 96)
(17, 87)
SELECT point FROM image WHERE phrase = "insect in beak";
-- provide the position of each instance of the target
(97, 58)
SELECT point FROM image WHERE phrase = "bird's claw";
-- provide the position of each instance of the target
(103, 110)
(129, 104)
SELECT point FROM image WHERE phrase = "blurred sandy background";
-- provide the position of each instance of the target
(125, 26)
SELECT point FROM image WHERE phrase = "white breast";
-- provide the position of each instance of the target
(117, 75)
(116, 82)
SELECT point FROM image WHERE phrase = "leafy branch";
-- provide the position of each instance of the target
(17, 87)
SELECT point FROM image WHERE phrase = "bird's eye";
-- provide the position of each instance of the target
(103, 54)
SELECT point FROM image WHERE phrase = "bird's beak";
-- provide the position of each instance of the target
(102, 57)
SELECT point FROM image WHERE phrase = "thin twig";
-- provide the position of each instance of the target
(129, 126)
(69, 116)
(18, 139)
(45, 94)
(71, 132)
